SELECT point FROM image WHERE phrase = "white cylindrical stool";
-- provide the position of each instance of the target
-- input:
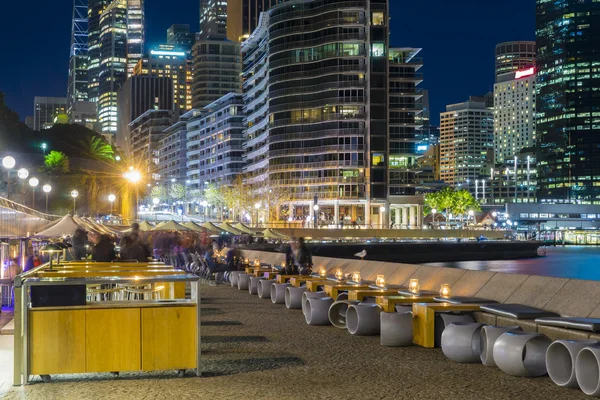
(293, 297)
(489, 335)
(587, 370)
(316, 310)
(521, 353)
(233, 278)
(264, 288)
(337, 312)
(253, 286)
(311, 295)
(363, 319)
(396, 329)
(342, 296)
(442, 320)
(461, 342)
(278, 292)
(560, 361)
(243, 281)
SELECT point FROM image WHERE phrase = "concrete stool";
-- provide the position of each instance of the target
(561, 358)
(264, 288)
(278, 292)
(461, 342)
(587, 371)
(337, 312)
(233, 278)
(521, 354)
(442, 320)
(489, 335)
(396, 329)
(311, 295)
(253, 286)
(243, 281)
(293, 297)
(363, 319)
(316, 310)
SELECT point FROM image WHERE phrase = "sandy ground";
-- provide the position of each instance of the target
(253, 349)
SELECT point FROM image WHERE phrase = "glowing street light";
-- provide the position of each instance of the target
(74, 194)
(8, 162)
(33, 182)
(46, 188)
(22, 173)
(44, 146)
(433, 212)
(111, 198)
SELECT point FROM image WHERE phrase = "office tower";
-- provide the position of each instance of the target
(568, 94)
(514, 56)
(85, 113)
(217, 65)
(466, 143)
(145, 133)
(243, 17)
(514, 113)
(179, 36)
(215, 137)
(78, 56)
(171, 153)
(94, 12)
(46, 109)
(512, 181)
(137, 95)
(317, 114)
(168, 61)
(135, 33)
(213, 19)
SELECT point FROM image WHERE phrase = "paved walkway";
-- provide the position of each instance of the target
(253, 349)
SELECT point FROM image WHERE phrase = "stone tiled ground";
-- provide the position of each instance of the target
(253, 349)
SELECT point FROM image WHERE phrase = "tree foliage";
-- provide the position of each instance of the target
(449, 200)
(98, 148)
(177, 192)
(159, 192)
(56, 163)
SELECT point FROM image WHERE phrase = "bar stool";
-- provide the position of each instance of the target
(145, 293)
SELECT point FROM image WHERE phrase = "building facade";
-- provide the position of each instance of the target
(514, 56)
(316, 95)
(77, 89)
(45, 109)
(171, 154)
(514, 113)
(466, 143)
(568, 94)
(136, 96)
(213, 19)
(243, 17)
(169, 61)
(180, 36)
(217, 65)
(215, 138)
(513, 181)
(145, 132)
(94, 13)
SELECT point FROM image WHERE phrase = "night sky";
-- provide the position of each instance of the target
(457, 38)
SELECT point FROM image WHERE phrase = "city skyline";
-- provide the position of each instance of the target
(439, 28)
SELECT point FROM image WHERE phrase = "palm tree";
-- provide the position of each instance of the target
(99, 149)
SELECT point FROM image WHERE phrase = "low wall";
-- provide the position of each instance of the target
(393, 233)
(568, 297)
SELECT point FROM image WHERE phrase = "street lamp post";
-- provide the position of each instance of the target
(204, 204)
(8, 162)
(44, 146)
(74, 194)
(472, 215)
(33, 182)
(433, 211)
(22, 174)
(134, 177)
(382, 216)
(46, 188)
(155, 201)
(111, 198)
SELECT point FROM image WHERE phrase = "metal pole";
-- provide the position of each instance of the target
(8, 185)
(516, 180)
(33, 197)
(74, 208)
(46, 203)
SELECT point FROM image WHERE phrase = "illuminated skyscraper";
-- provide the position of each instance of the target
(243, 15)
(514, 56)
(94, 12)
(78, 56)
(568, 100)
(213, 19)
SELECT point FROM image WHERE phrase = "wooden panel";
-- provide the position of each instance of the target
(113, 340)
(57, 342)
(424, 320)
(168, 338)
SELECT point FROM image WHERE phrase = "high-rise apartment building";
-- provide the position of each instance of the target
(77, 89)
(316, 96)
(136, 96)
(94, 12)
(217, 65)
(145, 133)
(215, 137)
(568, 98)
(171, 153)
(179, 36)
(514, 56)
(169, 61)
(466, 143)
(514, 113)
(46, 109)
